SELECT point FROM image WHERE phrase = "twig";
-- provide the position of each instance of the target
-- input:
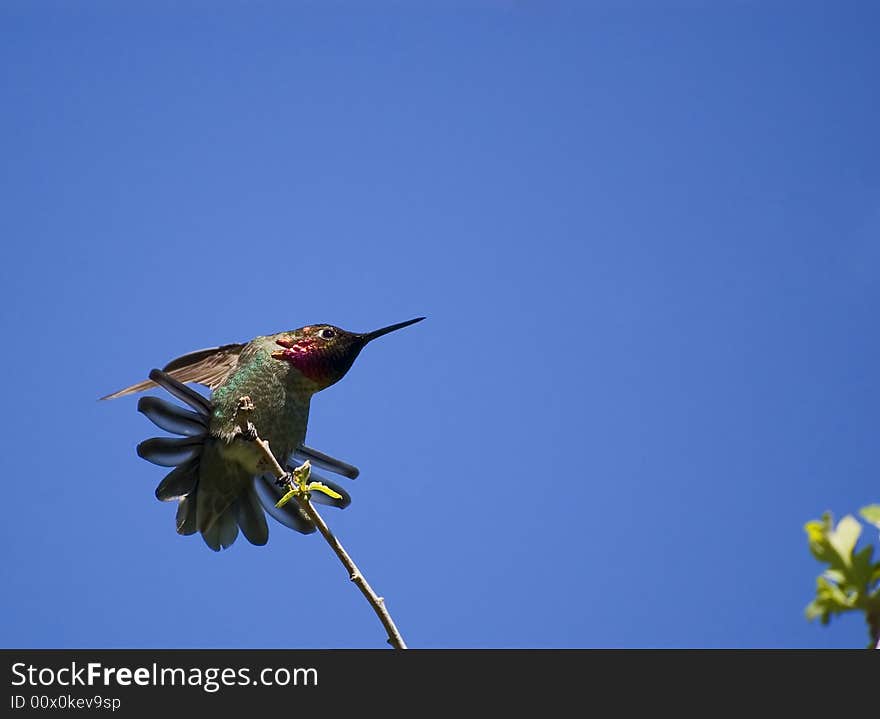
(302, 498)
(377, 602)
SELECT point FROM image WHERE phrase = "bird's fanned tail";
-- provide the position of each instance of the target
(216, 507)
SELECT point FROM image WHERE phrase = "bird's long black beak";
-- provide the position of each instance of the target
(370, 336)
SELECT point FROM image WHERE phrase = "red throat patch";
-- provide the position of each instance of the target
(303, 354)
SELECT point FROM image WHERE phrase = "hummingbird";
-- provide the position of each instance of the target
(219, 477)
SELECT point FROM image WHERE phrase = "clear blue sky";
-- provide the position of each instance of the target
(646, 238)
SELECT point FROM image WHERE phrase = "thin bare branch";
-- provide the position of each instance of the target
(376, 602)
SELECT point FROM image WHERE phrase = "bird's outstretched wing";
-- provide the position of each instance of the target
(208, 367)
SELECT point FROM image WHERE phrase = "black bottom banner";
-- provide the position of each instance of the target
(134, 682)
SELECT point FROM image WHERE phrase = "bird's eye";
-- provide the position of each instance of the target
(326, 334)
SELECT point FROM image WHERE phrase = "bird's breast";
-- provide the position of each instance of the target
(279, 410)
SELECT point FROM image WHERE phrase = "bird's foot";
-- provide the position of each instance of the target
(245, 404)
(286, 480)
(250, 432)
(246, 428)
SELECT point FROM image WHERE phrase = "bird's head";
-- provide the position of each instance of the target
(324, 353)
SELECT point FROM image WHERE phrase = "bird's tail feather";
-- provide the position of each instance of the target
(325, 461)
(187, 395)
(186, 514)
(251, 518)
(173, 418)
(221, 532)
(179, 482)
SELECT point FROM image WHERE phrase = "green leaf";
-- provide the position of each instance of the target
(814, 610)
(862, 567)
(835, 597)
(287, 497)
(324, 489)
(830, 600)
(850, 580)
(871, 514)
(834, 575)
(843, 538)
(817, 535)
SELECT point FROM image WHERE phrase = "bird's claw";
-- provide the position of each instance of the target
(286, 480)
(250, 432)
